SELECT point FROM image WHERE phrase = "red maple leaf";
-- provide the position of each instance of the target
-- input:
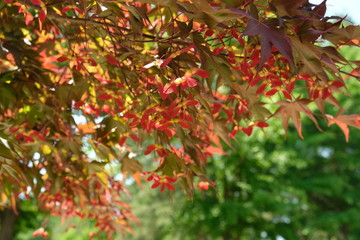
(269, 37)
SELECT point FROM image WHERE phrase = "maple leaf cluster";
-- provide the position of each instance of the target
(170, 79)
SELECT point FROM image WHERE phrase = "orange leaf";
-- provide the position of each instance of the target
(215, 150)
(13, 204)
(86, 128)
(137, 178)
(203, 185)
(343, 121)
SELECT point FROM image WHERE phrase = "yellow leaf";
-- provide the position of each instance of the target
(46, 149)
(102, 177)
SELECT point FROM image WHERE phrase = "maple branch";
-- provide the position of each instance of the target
(122, 70)
(53, 15)
(351, 75)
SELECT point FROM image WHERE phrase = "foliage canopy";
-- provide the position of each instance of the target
(170, 79)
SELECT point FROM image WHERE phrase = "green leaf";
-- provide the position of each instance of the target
(4, 150)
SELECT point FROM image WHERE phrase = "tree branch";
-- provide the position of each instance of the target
(53, 15)
(351, 75)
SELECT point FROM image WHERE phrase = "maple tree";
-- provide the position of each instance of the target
(170, 79)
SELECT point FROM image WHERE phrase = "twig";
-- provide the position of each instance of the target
(351, 75)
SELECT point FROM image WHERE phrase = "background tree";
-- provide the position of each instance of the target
(168, 78)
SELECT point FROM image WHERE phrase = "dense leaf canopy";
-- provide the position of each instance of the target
(87, 85)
